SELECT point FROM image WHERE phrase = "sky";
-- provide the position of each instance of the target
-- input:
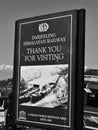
(12, 10)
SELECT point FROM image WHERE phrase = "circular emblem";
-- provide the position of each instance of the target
(43, 27)
(22, 115)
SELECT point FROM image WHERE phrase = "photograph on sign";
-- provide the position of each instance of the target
(44, 86)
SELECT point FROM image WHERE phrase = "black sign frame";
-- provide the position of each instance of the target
(74, 35)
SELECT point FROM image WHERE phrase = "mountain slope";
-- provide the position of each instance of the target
(6, 72)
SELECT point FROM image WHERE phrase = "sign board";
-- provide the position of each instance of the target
(48, 70)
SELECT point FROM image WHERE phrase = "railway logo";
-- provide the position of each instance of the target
(43, 27)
